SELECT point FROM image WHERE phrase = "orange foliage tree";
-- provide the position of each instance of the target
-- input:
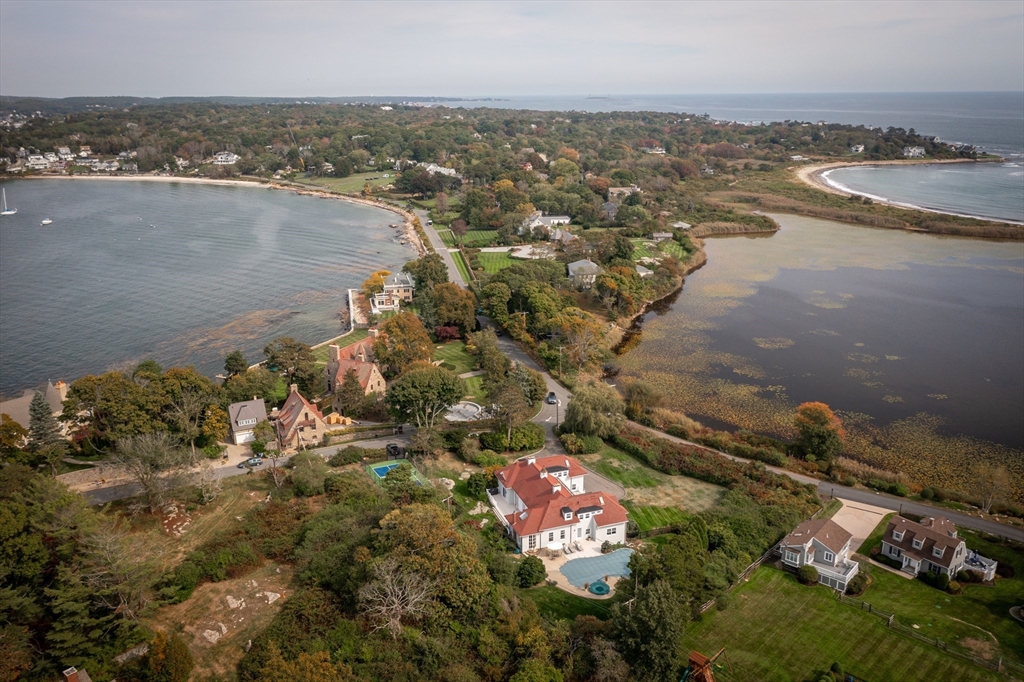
(821, 432)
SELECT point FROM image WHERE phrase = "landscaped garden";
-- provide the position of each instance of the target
(777, 629)
(455, 357)
(495, 261)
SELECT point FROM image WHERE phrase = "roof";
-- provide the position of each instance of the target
(360, 350)
(362, 369)
(536, 519)
(399, 279)
(291, 413)
(933, 532)
(17, 409)
(583, 267)
(825, 531)
(249, 409)
(641, 270)
(529, 468)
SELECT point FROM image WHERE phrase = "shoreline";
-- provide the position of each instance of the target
(816, 176)
(303, 190)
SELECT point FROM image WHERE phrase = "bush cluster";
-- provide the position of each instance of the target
(581, 445)
(890, 487)
(807, 574)
(528, 436)
(858, 584)
(354, 454)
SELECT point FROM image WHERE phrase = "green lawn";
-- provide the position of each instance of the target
(447, 237)
(623, 468)
(648, 516)
(876, 535)
(460, 263)
(777, 629)
(555, 604)
(477, 238)
(475, 389)
(353, 184)
(640, 249)
(493, 262)
(357, 335)
(455, 357)
(672, 248)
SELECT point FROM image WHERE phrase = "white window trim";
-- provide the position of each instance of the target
(792, 556)
(829, 556)
(918, 544)
(897, 536)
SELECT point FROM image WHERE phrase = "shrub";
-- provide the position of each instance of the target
(857, 585)
(469, 449)
(531, 571)
(353, 454)
(494, 441)
(850, 481)
(453, 438)
(632, 528)
(477, 484)
(1004, 570)
(928, 493)
(837, 668)
(488, 458)
(954, 587)
(528, 436)
(572, 443)
(309, 473)
(807, 574)
(723, 601)
(591, 445)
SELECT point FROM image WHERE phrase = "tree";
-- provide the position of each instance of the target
(582, 334)
(640, 398)
(154, 461)
(401, 341)
(807, 574)
(168, 659)
(455, 306)
(215, 424)
(112, 406)
(374, 284)
(43, 429)
(459, 228)
(394, 594)
(235, 363)
(494, 300)
(512, 406)
(306, 667)
(648, 631)
(309, 471)
(536, 670)
(428, 271)
(424, 395)
(821, 432)
(992, 482)
(349, 396)
(296, 360)
(441, 203)
(531, 382)
(531, 571)
(189, 395)
(595, 410)
(494, 363)
(12, 437)
(258, 382)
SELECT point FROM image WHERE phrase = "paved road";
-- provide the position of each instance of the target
(435, 241)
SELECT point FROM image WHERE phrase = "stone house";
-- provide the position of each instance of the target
(299, 422)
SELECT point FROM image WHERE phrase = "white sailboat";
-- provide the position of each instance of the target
(7, 211)
(45, 221)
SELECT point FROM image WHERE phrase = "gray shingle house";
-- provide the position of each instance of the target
(825, 545)
(244, 417)
(932, 545)
(583, 273)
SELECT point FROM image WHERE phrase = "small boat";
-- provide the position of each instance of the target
(45, 221)
(7, 211)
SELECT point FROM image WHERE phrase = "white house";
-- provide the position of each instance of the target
(225, 158)
(244, 417)
(913, 152)
(932, 545)
(825, 545)
(857, 149)
(543, 504)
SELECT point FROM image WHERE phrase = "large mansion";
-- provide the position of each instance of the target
(543, 503)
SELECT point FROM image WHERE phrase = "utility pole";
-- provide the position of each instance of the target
(560, 362)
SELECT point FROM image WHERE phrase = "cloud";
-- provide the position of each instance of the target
(495, 48)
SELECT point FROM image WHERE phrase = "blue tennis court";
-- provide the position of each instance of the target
(379, 471)
(587, 570)
(382, 469)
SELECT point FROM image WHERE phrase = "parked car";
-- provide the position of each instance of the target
(251, 462)
(552, 399)
(430, 222)
(393, 451)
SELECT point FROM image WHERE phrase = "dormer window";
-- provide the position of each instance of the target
(897, 535)
(918, 544)
(938, 551)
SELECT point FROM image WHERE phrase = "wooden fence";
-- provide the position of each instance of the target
(892, 623)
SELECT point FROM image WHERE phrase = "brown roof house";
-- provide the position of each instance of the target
(932, 545)
(824, 544)
(357, 357)
(543, 504)
(244, 417)
(299, 423)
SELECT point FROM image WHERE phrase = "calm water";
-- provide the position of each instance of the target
(992, 121)
(918, 340)
(180, 273)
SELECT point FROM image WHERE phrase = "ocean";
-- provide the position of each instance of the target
(992, 121)
(180, 273)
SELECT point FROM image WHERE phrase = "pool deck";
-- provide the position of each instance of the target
(591, 548)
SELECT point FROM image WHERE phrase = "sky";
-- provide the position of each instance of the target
(337, 49)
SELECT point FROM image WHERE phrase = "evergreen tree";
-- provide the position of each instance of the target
(43, 429)
(649, 631)
(349, 397)
(235, 363)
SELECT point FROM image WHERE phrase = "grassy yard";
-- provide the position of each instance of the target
(475, 389)
(353, 184)
(555, 604)
(647, 487)
(493, 262)
(777, 629)
(357, 335)
(478, 238)
(672, 248)
(641, 250)
(648, 517)
(447, 237)
(460, 263)
(455, 357)
(876, 535)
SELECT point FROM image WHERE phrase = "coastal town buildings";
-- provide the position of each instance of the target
(913, 152)
(543, 504)
(225, 158)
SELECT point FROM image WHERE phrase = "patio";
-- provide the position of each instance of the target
(554, 561)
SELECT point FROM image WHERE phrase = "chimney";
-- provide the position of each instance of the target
(555, 489)
(530, 461)
(543, 473)
(601, 498)
(333, 352)
(373, 332)
(62, 390)
(71, 675)
(294, 388)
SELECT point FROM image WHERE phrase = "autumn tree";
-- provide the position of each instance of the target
(441, 203)
(821, 432)
(154, 461)
(428, 271)
(12, 440)
(168, 659)
(423, 395)
(594, 410)
(374, 284)
(455, 306)
(640, 398)
(459, 228)
(581, 333)
(511, 403)
(992, 483)
(315, 667)
(401, 341)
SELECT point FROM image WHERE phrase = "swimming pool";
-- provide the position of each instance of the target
(587, 570)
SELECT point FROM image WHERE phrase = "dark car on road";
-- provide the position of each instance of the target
(552, 399)
(251, 462)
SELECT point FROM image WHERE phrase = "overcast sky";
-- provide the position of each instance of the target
(292, 49)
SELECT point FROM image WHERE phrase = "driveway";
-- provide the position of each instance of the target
(440, 248)
(858, 519)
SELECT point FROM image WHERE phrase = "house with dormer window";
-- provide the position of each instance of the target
(244, 417)
(825, 545)
(542, 503)
(933, 545)
(299, 422)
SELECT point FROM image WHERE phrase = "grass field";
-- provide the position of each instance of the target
(475, 389)
(672, 248)
(493, 262)
(455, 357)
(477, 238)
(777, 629)
(357, 335)
(647, 487)
(641, 250)
(460, 263)
(648, 517)
(353, 184)
(447, 237)
(555, 604)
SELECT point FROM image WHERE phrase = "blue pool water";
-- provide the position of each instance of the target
(580, 572)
